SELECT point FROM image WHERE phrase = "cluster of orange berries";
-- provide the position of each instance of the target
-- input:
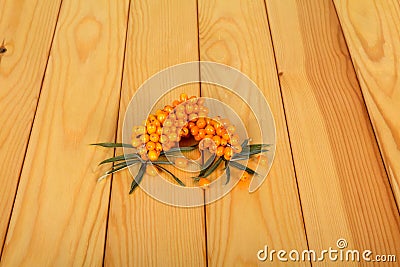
(184, 118)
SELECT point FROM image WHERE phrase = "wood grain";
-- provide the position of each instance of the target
(343, 186)
(236, 33)
(60, 213)
(26, 30)
(141, 230)
(372, 32)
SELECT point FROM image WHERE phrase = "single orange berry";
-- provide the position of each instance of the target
(190, 125)
(226, 136)
(223, 142)
(201, 123)
(152, 154)
(217, 140)
(219, 131)
(228, 152)
(151, 128)
(183, 97)
(136, 142)
(204, 182)
(161, 117)
(202, 133)
(144, 138)
(150, 145)
(158, 147)
(197, 137)
(168, 108)
(220, 151)
(154, 137)
(189, 108)
(194, 130)
(184, 132)
(210, 130)
(159, 130)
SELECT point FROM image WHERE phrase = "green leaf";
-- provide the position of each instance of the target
(228, 172)
(170, 173)
(112, 145)
(121, 157)
(210, 169)
(138, 178)
(239, 166)
(207, 165)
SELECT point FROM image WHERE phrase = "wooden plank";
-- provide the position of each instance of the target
(26, 31)
(60, 213)
(240, 224)
(343, 185)
(372, 32)
(141, 230)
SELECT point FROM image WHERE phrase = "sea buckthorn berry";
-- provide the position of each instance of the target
(172, 117)
(208, 137)
(202, 133)
(181, 162)
(220, 151)
(180, 108)
(136, 142)
(142, 150)
(168, 108)
(224, 142)
(151, 170)
(219, 131)
(190, 125)
(154, 137)
(151, 128)
(144, 138)
(217, 140)
(158, 146)
(193, 99)
(228, 152)
(194, 130)
(144, 156)
(196, 108)
(181, 123)
(173, 137)
(212, 148)
(197, 137)
(184, 132)
(210, 130)
(141, 130)
(150, 145)
(204, 182)
(175, 103)
(189, 108)
(159, 130)
(158, 111)
(152, 155)
(168, 123)
(183, 97)
(162, 117)
(201, 123)
(193, 117)
(151, 118)
(234, 140)
(203, 145)
(231, 129)
(226, 136)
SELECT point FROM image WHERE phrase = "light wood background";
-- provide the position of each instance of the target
(329, 70)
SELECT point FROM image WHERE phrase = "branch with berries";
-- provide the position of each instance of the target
(158, 138)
